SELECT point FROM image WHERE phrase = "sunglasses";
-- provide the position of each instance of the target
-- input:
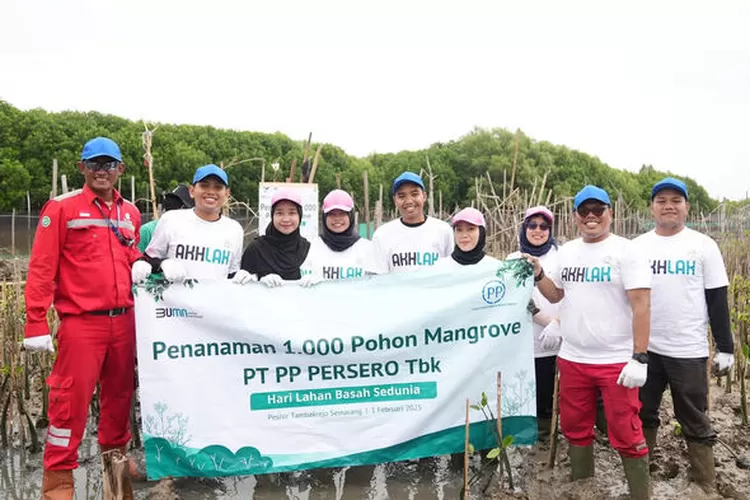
(95, 166)
(543, 226)
(597, 210)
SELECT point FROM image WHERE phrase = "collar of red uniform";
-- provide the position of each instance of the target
(90, 196)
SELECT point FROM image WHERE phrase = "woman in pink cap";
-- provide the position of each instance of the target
(278, 255)
(338, 253)
(536, 239)
(469, 233)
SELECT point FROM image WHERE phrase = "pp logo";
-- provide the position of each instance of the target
(493, 291)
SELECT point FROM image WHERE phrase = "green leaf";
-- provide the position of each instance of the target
(471, 449)
(476, 407)
(746, 350)
(484, 399)
(507, 441)
(493, 453)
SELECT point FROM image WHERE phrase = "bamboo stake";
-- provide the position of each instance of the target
(53, 194)
(466, 454)
(64, 181)
(132, 189)
(315, 164)
(291, 171)
(147, 138)
(515, 159)
(367, 202)
(553, 426)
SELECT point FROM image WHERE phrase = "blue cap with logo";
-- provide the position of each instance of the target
(407, 177)
(670, 183)
(590, 193)
(101, 146)
(210, 169)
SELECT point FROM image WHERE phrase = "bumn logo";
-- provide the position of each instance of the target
(493, 292)
(175, 312)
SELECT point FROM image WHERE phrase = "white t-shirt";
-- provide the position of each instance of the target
(208, 250)
(549, 264)
(399, 248)
(445, 263)
(595, 318)
(351, 263)
(684, 266)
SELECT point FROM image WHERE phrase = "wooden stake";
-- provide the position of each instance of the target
(13, 233)
(466, 454)
(64, 181)
(515, 160)
(367, 202)
(431, 196)
(147, 139)
(132, 188)
(553, 424)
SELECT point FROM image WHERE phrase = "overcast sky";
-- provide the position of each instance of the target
(632, 82)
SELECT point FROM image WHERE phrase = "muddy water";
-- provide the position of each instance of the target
(429, 479)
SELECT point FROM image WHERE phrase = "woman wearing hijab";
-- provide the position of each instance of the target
(536, 238)
(338, 253)
(278, 255)
(469, 234)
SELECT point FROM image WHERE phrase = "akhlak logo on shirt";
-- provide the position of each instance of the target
(341, 273)
(597, 274)
(404, 259)
(668, 266)
(202, 254)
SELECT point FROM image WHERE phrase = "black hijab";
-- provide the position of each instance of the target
(474, 255)
(276, 252)
(536, 250)
(338, 242)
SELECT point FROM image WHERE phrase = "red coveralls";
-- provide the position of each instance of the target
(79, 261)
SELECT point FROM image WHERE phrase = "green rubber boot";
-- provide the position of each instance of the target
(581, 461)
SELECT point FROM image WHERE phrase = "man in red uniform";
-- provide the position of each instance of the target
(83, 252)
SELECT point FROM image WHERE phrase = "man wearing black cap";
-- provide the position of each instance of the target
(83, 251)
(604, 321)
(178, 199)
(413, 240)
(689, 293)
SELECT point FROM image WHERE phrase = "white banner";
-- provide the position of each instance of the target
(309, 193)
(241, 380)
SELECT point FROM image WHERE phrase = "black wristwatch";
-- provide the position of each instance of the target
(540, 277)
(641, 357)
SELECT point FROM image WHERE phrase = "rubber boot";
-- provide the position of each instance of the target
(581, 461)
(120, 451)
(58, 485)
(650, 435)
(638, 477)
(702, 469)
(544, 426)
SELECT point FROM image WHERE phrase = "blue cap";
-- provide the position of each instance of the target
(101, 146)
(670, 183)
(407, 177)
(210, 169)
(590, 193)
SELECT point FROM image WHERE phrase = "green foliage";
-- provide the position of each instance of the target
(32, 139)
(14, 182)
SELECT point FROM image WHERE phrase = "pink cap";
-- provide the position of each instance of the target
(540, 210)
(470, 215)
(286, 194)
(338, 199)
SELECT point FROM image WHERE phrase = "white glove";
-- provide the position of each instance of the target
(551, 337)
(309, 280)
(140, 271)
(173, 270)
(40, 343)
(723, 362)
(243, 277)
(633, 374)
(272, 280)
